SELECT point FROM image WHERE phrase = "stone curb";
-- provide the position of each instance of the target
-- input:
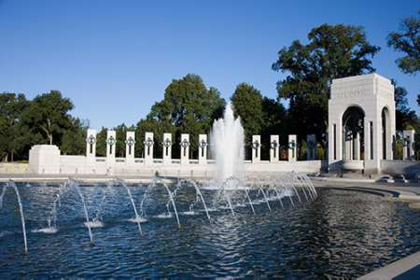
(403, 266)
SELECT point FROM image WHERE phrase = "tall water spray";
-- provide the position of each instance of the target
(227, 141)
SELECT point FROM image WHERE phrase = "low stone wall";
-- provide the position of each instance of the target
(408, 168)
(46, 159)
(14, 168)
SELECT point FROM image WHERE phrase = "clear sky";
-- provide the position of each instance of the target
(114, 59)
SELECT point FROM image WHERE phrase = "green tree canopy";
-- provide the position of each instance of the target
(408, 42)
(73, 141)
(48, 115)
(333, 51)
(188, 107)
(405, 117)
(247, 103)
(13, 136)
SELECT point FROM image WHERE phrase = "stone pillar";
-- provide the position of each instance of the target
(357, 146)
(167, 148)
(292, 155)
(129, 147)
(148, 148)
(185, 148)
(111, 140)
(348, 143)
(311, 142)
(274, 148)
(256, 148)
(408, 144)
(202, 152)
(91, 145)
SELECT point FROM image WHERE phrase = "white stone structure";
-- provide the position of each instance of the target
(91, 145)
(111, 141)
(360, 107)
(292, 148)
(274, 148)
(202, 149)
(408, 144)
(44, 159)
(311, 143)
(185, 149)
(167, 148)
(130, 141)
(256, 148)
(148, 148)
(361, 129)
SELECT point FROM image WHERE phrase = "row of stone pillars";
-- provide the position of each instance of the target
(185, 147)
(291, 147)
(148, 147)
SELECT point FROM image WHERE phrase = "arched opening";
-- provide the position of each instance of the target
(353, 133)
(386, 134)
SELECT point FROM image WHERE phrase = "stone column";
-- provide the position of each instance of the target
(311, 142)
(256, 148)
(185, 148)
(274, 148)
(91, 145)
(148, 148)
(408, 144)
(292, 155)
(367, 153)
(202, 152)
(111, 140)
(357, 146)
(167, 148)
(129, 147)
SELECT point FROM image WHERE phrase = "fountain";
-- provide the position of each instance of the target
(231, 190)
(227, 142)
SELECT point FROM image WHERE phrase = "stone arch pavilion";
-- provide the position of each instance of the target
(361, 123)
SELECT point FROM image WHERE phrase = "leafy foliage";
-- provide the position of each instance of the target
(408, 42)
(188, 107)
(74, 138)
(404, 116)
(13, 136)
(332, 52)
(248, 105)
(48, 116)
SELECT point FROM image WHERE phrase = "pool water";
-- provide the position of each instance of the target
(340, 234)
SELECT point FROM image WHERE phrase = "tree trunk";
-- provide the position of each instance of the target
(12, 156)
(50, 137)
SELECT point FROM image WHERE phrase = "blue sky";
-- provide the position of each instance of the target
(114, 59)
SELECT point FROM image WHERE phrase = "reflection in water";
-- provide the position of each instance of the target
(341, 233)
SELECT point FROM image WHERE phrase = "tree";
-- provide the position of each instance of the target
(188, 106)
(74, 138)
(48, 115)
(408, 42)
(13, 137)
(158, 127)
(332, 52)
(404, 117)
(101, 142)
(247, 103)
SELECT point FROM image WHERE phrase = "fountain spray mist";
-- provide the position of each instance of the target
(227, 141)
